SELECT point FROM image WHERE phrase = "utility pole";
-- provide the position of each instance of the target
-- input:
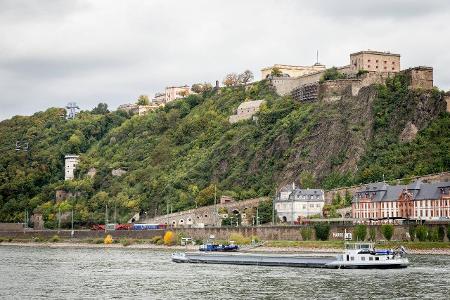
(106, 217)
(167, 211)
(59, 219)
(215, 205)
(26, 220)
(71, 233)
(115, 213)
(257, 216)
(273, 207)
(292, 208)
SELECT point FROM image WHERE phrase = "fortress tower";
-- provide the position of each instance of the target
(70, 166)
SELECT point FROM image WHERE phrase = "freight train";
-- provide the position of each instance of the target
(129, 226)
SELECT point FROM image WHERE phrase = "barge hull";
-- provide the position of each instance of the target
(279, 261)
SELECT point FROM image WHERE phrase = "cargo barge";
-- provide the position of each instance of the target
(355, 256)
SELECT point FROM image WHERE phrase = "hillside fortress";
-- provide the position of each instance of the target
(364, 68)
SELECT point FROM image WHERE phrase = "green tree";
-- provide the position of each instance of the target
(206, 196)
(422, 233)
(265, 211)
(347, 199)
(101, 109)
(337, 200)
(388, 231)
(306, 233)
(231, 79)
(360, 232)
(412, 232)
(276, 72)
(332, 74)
(307, 180)
(441, 233)
(433, 235)
(372, 233)
(245, 77)
(322, 231)
(201, 87)
(143, 100)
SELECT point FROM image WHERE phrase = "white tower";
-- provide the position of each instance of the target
(70, 166)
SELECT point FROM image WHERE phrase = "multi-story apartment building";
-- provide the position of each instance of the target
(418, 201)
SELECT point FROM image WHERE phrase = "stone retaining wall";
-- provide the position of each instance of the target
(263, 232)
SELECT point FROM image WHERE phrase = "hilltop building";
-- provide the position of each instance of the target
(176, 92)
(293, 203)
(375, 61)
(364, 68)
(159, 99)
(417, 201)
(138, 109)
(246, 110)
(71, 162)
(292, 71)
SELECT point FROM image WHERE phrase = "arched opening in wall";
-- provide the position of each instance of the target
(235, 211)
(284, 219)
(181, 222)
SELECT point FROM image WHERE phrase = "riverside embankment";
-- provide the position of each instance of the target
(285, 233)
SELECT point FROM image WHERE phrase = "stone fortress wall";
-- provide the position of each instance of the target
(206, 216)
(378, 67)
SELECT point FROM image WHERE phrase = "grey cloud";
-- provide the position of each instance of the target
(53, 52)
(33, 10)
(381, 9)
(43, 68)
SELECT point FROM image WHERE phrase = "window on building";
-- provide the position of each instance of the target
(393, 68)
(368, 60)
(385, 61)
(376, 60)
(363, 258)
(377, 258)
(352, 258)
(368, 66)
(370, 258)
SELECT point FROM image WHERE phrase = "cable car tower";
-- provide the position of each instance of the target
(73, 110)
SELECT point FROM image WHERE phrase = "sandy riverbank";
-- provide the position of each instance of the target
(148, 246)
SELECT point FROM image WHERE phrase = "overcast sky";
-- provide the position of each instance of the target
(53, 52)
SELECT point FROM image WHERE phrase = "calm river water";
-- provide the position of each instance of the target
(34, 273)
